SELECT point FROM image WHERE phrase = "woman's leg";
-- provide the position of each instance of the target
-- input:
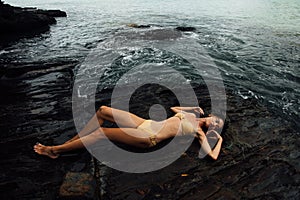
(91, 126)
(130, 136)
(123, 118)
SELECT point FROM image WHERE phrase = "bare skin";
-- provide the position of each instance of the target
(129, 134)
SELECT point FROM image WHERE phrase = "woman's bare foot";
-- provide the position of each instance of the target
(45, 150)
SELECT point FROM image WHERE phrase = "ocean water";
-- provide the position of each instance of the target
(254, 44)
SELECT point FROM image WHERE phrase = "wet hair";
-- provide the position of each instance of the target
(214, 115)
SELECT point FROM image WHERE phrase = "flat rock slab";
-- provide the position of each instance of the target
(36, 113)
(258, 160)
(78, 185)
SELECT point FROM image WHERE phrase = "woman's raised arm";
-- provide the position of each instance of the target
(177, 109)
(205, 146)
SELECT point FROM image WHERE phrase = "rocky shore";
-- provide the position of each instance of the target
(18, 22)
(259, 158)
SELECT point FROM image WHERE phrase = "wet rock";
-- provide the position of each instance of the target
(138, 26)
(50, 13)
(255, 162)
(186, 28)
(17, 22)
(156, 34)
(24, 173)
(78, 185)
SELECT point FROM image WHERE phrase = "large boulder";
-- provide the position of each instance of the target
(17, 20)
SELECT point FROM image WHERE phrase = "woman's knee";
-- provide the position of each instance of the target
(103, 110)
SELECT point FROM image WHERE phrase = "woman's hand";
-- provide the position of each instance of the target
(199, 110)
(213, 134)
(213, 137)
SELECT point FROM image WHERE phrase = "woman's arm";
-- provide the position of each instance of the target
(205, 146)
(216, 151)
(178, 109)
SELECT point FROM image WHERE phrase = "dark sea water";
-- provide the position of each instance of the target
(254, 44)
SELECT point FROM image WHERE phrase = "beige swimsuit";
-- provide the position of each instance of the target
(146, 126)
(186, 126)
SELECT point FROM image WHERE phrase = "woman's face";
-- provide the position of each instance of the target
(214, 122)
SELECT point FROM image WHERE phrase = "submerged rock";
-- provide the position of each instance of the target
(153, 35)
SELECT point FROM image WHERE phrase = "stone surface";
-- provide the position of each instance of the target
(185, 28)
(78, 185)
(35, 107)
(138, 26)
(16, 22)
(257, 160)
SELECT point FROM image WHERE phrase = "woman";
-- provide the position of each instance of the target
(142, 133)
